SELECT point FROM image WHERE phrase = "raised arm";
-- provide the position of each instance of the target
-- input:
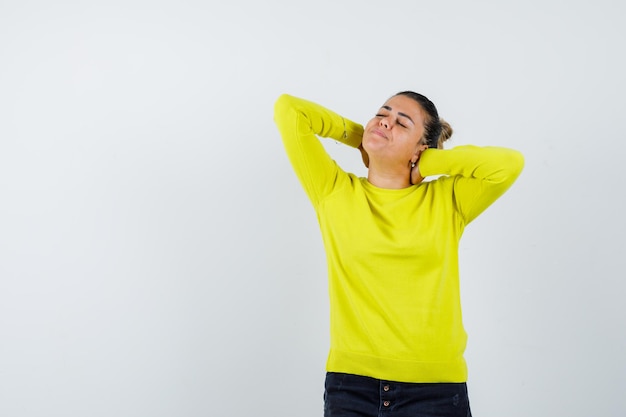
(480, 174)
(300, 122)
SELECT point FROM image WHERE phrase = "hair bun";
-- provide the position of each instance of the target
(446, 132)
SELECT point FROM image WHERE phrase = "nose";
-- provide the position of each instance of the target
(384, 122)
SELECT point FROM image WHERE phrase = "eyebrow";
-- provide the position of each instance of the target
(399, 113)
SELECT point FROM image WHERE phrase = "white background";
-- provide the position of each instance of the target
(159, 258)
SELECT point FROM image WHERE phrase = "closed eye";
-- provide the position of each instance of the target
(397, 121)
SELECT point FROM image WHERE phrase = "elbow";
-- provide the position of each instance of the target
(512, 164)
(282, 99)
(516, 162)
(283, 102)
(283, 108)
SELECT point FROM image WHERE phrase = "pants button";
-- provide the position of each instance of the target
(386, 403)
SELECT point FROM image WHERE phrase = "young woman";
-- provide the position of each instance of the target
(391, 240)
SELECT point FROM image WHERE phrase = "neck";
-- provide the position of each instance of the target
(389, 178)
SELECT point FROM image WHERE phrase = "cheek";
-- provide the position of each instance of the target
(369, 126)
(415, 138)
(369, 140)
(410, 143)
(373, 122)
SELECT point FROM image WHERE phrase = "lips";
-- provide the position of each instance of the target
(379, 133)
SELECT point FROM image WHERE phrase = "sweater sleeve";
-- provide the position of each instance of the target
(300, 122)
(480, 174)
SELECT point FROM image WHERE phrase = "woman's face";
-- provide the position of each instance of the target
(395, 133)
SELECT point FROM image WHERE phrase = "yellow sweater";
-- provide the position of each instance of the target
(393, 254)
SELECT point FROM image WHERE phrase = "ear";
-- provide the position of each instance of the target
(421, 147)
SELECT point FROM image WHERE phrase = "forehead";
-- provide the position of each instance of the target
(406, 105)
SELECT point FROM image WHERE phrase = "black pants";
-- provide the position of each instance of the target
(348, 395)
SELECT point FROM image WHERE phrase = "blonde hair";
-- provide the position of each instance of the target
(446, 132)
